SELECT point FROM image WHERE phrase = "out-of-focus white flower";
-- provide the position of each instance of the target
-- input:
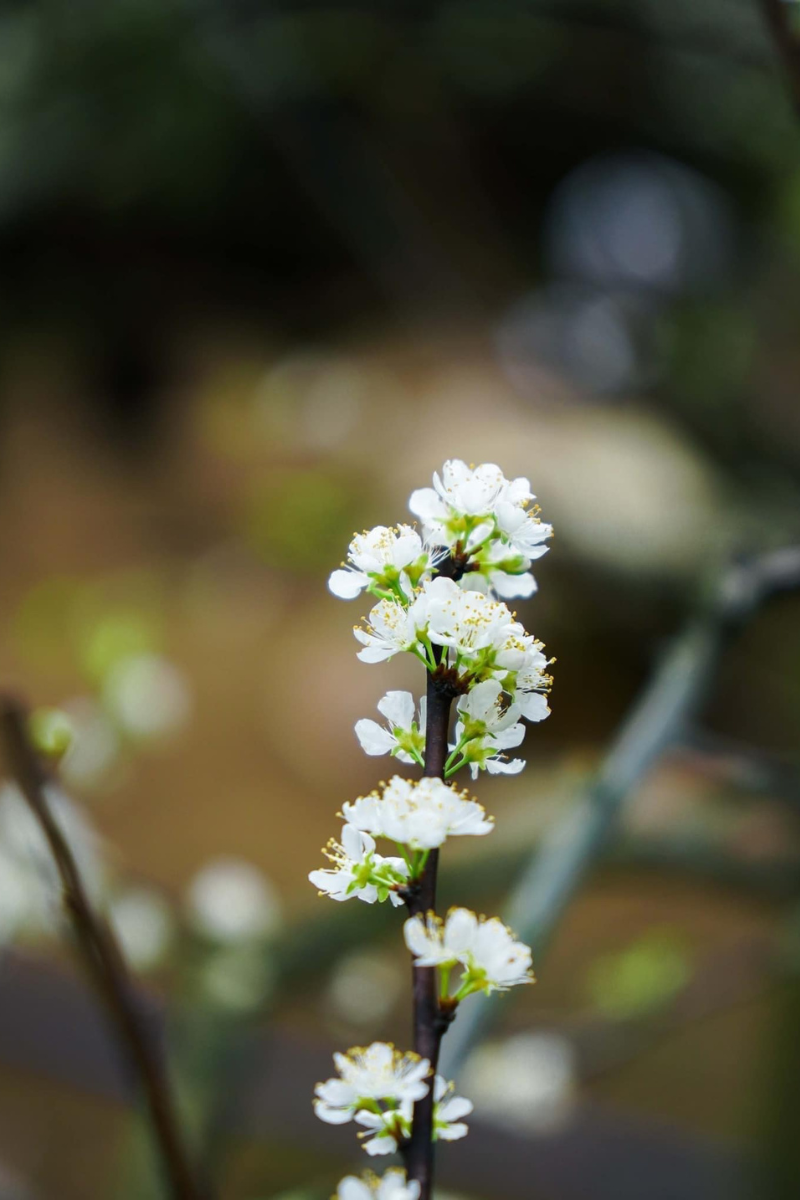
(22, 904)
(95, 746)
(364, 987)
(392, 628)
(147, 696)
(404, 738)
(374, 1073)
(389, 1128)
(528, 1081)
(393, 1186)
(420, 814)
(144, 923)
(358, 871)
(493, 960)
(230, 900)
(383, 560)
(23, 840)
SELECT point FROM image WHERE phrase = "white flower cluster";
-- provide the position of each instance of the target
(441, 596)
(486, 950)
(393, 1186)
(377, 1088)
(479, 513)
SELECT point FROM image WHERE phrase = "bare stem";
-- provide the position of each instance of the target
(431, 1018)
(102, 958)
(430, 1022)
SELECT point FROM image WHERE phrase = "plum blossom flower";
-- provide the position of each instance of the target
(382, 559)
(481, 514)
(403, 737)
(393, 1186)
(366, 1075)
(392, 628)
(461, 495)
(491, 958)
(420, 814)
(481, 633)
(530, 683)
(523, 531)
(389, 1128)
(448, 1111)
(359, 871)
(486, 727)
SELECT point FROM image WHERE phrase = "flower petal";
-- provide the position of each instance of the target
(373, 737)
(347, 584)
(398, 708)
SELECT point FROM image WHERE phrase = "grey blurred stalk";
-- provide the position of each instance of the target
(661, 716)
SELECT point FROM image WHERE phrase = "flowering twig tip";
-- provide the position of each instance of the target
(440, 588)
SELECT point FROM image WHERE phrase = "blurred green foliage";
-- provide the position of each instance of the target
(642, 978)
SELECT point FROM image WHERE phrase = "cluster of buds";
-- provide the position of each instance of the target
(441, 596)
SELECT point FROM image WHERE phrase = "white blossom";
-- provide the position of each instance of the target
(481, 514)
(389, 1128)
(524, 531)
(230, 900)
(148, 696)
(448, 1111)
(367, 1074)
(403, 737)
(526, 1082)
(144, 924)
(393, 1186)
(420, 814)
(381, 558)
(492, 959)
(530, 684)
(483, 637)
(467, 621)
(459, 493)
(23, 840)
(358, 871)
(487, 726)
(392, 628)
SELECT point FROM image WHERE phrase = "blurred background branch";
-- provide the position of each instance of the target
(102, 958)
(662, 716)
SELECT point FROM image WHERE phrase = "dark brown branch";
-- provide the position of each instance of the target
(101, 956)
(430, 1021)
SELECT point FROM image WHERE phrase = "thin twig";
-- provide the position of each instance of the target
(659, 717)
(101, 956)
(429, 1021)
(778, 17)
